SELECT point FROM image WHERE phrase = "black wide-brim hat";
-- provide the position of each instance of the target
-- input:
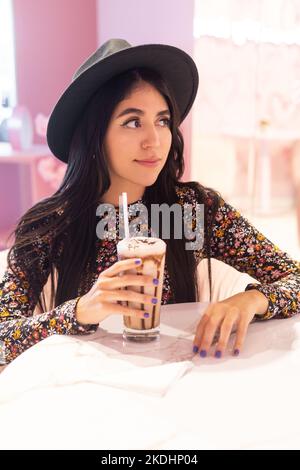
(114, 57)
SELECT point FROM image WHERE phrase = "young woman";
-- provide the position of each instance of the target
(123, 107)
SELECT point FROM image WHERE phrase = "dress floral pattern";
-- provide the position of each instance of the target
(233, 240)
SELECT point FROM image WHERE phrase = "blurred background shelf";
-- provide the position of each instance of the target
(21, 184)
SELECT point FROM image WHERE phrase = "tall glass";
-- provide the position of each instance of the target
(152, 251)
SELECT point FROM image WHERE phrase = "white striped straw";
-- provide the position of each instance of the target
(125, 214)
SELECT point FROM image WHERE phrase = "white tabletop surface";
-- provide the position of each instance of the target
(246, 402)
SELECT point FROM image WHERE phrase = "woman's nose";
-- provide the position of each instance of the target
(151, 137)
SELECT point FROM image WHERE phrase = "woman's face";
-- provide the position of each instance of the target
(143, 134)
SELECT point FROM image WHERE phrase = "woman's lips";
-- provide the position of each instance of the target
(149, 163)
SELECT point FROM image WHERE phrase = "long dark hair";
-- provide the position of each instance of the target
(70, 237)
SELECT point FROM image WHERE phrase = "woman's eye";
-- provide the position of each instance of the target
(132, 120)
(166, 120)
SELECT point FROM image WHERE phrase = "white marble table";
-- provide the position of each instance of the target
(59, 395)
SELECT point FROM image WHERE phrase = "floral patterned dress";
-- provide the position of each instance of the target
(233, 240)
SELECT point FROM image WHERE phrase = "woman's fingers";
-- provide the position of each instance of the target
(122, 265)
(207, 328)
(200, 330)
(112, 309)
(113, 277)
(241, 335)
(126, 280)
(104, 299)
(226, 330)
(209, 332)
(126, 295)
(223, 319)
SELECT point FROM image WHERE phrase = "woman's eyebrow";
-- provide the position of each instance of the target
(139, 111)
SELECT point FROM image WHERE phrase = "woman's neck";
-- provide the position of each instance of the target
(112, 196)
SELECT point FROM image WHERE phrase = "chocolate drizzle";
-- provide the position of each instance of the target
(135, 244)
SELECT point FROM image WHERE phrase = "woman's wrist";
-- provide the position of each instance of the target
(78, 312)
(259, 300)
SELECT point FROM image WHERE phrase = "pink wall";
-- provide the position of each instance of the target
(53, 37)
(153, 21)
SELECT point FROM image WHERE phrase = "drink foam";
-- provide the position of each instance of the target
(136, 247)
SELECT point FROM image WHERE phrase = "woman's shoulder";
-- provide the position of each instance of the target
(37, 241)
(39, 228)
(193, 192)
(40, 223)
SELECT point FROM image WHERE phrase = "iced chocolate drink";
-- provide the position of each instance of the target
(152, 251)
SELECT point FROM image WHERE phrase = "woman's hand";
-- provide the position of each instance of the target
(101, 300)
(232, 314)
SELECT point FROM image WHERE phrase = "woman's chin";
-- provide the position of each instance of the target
(147, 181)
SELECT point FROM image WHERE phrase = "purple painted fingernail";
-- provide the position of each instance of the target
(154, 300)
(155, 281)
(138, 261)
(203, 353)
(236, 352)
(146, 315)
(195, 349)
(218, 354)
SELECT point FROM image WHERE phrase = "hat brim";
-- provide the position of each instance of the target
(175, 66)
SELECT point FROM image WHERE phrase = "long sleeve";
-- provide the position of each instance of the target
(19, 328)
(236, 242)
